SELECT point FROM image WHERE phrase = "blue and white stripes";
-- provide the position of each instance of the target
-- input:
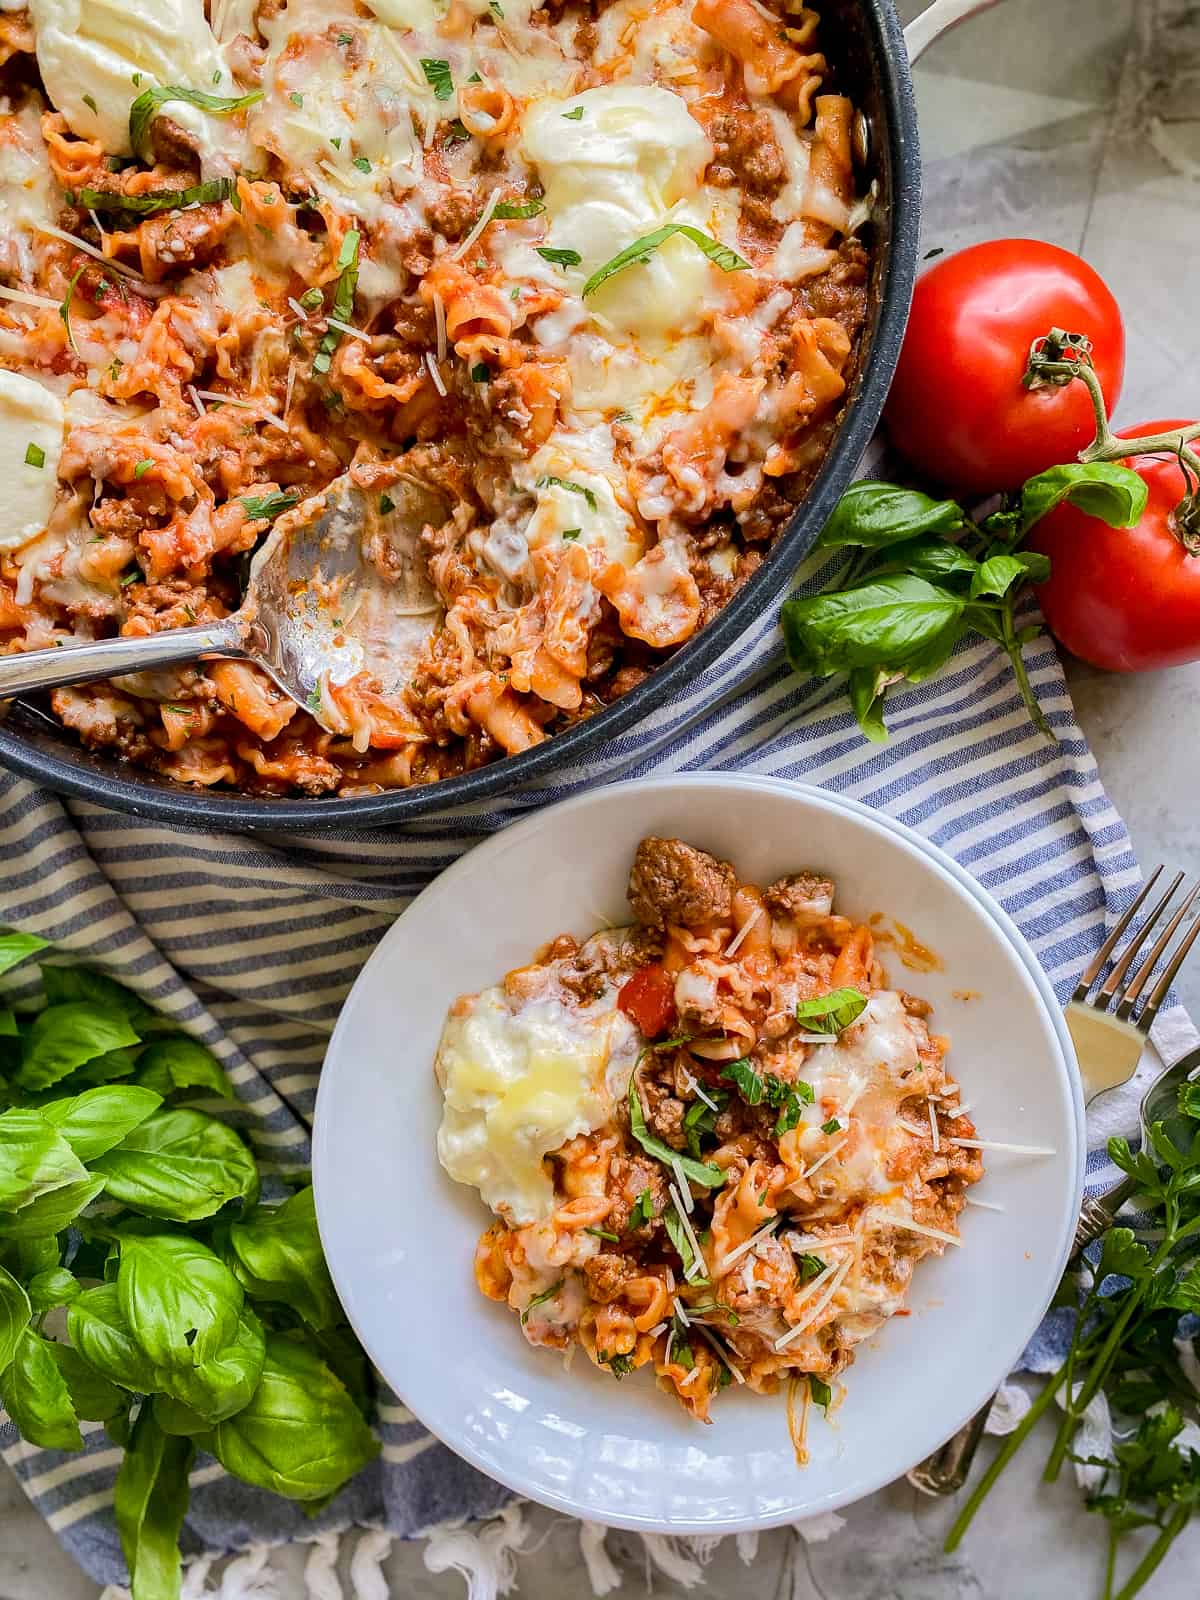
(252, 944)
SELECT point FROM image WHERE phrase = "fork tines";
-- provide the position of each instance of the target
(1120, 992)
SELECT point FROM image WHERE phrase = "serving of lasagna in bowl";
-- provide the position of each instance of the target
(592, 275)
(781, 1123)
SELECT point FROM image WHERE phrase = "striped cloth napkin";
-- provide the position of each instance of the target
(252, 943)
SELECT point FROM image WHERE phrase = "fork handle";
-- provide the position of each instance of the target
(947, 1469)
(108, 658)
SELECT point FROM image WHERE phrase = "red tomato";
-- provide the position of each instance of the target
(1126, 599)
(958, 410)
(649, 999)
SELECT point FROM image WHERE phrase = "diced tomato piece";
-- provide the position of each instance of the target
(648, 998)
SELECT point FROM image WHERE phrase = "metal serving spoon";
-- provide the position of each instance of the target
(336, 588)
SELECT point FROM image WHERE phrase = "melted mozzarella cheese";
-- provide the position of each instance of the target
(27, 192)
(31, 421)
(632, 160)
(574, 479)
(97, 56)
(518, 1083)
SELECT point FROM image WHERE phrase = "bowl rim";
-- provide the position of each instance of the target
(1066, 1066)
(107, 781)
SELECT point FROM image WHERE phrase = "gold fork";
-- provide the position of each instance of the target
(1109, 1040)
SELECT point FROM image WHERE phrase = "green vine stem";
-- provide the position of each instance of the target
(1058, 359)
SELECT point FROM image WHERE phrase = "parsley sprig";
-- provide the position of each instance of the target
(1124, 1345)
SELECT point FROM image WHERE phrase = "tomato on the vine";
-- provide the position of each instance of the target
(958, 410)
(1125, 599)
(648, 998)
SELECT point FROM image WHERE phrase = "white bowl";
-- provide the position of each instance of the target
(400, 1235)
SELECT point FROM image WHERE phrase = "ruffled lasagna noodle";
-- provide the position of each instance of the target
(586, 272)
(716, 1143)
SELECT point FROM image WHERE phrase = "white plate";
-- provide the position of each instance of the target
(400, 1235)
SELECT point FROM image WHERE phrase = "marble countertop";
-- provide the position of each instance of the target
(1077, 123)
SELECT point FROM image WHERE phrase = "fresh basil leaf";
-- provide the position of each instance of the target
(642, 1211)
(821, 1392)
(65, 985)
(276, 1254)
(96, 1120)
(834, 1011)
(113, 1064)
(8, 1023)
(150, 1500)
(809, 1267)
(58, 1287)
(935, 559)
(789, 1099)
(344, 1357)
(867, 688)
(700, 1172)
(301, 1436)
(16, 947)
(218, 1388)
(50, 1213)
(34, 1159)
(559, 258)
(872, 515)
(438, 77)
(64, 1037)
(99, 1331)
(149, 101)
(343, 300)
(94, 1398)
(178, 1062)
(35, 1395)
(997, 576)
(266, 507)
(179, 1298)
(177, 1419)
(641, 249)
(25, 1258)
(181, 1166)
(1114, 494)
(517, 211)
(15, 1312)
(884, 623)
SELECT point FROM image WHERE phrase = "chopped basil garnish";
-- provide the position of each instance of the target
(571, 533)
(560, 258)
(312, 298)
(700, 1172)
(343, 300)
(131, 577)
(336, 143)
(148, 102)
(809, 1267)
(107, 201)
(575, 488)
(518, 211)
(345, 38)
(832, 1126)
(643, 1210)
(677, 1234)
(295, 98)
(573, 116)
(836, 1010)
(386, 504)
(540, 1299)
(496, 9)
(820, 1391)
(142, 468)
(269, 506)
(64, 310)
(603, 1233)
(314, 705)
(748, 1083)
(90, 102)
(35, 456)
(361, 163)
(437, 76)
(481, 373)
(457, 132)
(620, 1366)
(641, 249)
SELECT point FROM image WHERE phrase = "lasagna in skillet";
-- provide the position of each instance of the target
(585, 274)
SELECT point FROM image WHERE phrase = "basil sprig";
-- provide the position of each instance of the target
(789, 1099)
(925, 575)
(216, 1325)
(642, 249)
(150, 101)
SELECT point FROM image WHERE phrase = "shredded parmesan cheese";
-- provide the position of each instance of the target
(723, 1353)
(745, 1247)
(996, 1144)
(697, 1267)
(680, 1312)
(90, 250)
(485, 216)
(802, 1327)
(933, 1126)
(439, 320)
(909, 1226)
(26, 297)
(738, 940)
(685, 1191)
(346, 327)
(984, 1205)
(829, 1154)
(438, 384)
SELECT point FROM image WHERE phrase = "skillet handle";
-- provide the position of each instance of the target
(938, 19)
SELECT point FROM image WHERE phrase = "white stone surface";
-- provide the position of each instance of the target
(1076, 122)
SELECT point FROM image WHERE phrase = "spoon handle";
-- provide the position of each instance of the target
(25, 672)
